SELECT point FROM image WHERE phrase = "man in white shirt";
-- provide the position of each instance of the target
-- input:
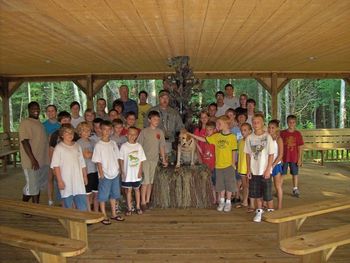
(221, 106)
(230, 99)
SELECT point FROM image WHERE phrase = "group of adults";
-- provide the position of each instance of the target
(33, 137)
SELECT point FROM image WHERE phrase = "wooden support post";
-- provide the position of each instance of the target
(273, 85)
(90, 91)
(76, 230)
(43, 257)
(274, 95)
(287, 229)
(313, 258)
(86, 85)
(5, 105)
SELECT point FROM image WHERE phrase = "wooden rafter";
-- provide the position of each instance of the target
(98, 85)
(81, 83)
(13, 86)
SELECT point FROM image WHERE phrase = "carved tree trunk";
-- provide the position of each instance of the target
(181, 92)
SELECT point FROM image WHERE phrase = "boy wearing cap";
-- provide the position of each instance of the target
(170, 120)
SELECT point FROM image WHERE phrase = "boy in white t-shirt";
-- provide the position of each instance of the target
(106, 155)
(70, 170)
(259, 150)
(131, 158)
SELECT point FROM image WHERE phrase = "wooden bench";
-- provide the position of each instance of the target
(6, 150)
(289, 220)
(14, 139)
(74, 221)
(46, 248)
(333, 144)
(317, 247)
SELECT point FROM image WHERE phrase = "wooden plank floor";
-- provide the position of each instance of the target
(193, 235)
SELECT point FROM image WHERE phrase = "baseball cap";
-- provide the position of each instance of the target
(163, 93)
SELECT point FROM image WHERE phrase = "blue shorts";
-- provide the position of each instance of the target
(108, 189)
(213, 177)
(79, 201)
(294, 169)
(135, 185)
(278, 169)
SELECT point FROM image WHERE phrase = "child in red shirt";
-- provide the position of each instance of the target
(207, 154)
(292, 151)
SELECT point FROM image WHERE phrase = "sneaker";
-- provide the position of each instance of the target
(296, 193)
(51, 203)
(221, 206)
(227, 207)
(270, 210)
(258, 215)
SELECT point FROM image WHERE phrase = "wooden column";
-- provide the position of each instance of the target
(90, 87)
(90, 91)
(5, 105)
(274, 96)
(273, 85)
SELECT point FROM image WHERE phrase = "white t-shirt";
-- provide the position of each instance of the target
(107, 153)
(76, 121)
(232, 102)
(222, 110)
(133, 155)
(259, 148)
(250, 119)
(70, 160)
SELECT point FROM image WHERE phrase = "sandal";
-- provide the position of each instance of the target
(118, 218)
(240, 205)
(250, 210)
(106, 221)
(138, 211)
(128, 212)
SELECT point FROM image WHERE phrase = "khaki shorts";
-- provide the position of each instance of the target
(148, 169)
(36, 180)
(225, 180)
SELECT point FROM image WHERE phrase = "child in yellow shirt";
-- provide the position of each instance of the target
(225, 155)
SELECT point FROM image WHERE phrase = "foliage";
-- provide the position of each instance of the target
(311, 100)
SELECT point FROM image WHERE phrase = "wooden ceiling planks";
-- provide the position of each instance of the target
(125, 36)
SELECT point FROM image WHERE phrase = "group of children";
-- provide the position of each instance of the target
(100, 159)
(263, 154)
(104, 160)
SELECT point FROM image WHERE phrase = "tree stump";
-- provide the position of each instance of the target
(184, 187)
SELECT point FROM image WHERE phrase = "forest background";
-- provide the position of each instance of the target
(316, 103)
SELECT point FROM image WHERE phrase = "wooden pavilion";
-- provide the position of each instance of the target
(92, 42)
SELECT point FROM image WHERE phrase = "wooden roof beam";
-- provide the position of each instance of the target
(198, 74)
